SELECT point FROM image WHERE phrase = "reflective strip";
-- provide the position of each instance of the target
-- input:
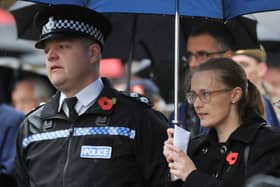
(45, 136)
(119, 131)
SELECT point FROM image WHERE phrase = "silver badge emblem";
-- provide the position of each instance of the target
(49, 25)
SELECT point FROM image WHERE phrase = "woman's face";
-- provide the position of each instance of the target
(213, 103)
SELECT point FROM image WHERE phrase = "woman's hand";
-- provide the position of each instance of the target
(169, 142)
(179, 163)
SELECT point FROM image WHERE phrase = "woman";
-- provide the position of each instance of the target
(239, 143)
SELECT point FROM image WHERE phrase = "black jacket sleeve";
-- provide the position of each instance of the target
(149, 147)
(21, 171)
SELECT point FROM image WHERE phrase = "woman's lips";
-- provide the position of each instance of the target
(201, 115)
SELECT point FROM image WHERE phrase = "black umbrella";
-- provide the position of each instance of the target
(24, 13)
(242, 29)
(134, 36)
(150, 36)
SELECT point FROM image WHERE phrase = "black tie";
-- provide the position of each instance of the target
(71, 102)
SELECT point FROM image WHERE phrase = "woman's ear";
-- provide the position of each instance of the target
(236, 95)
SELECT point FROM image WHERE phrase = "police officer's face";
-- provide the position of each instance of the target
(70, 65)
(213, 103)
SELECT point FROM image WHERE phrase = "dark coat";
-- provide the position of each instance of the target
(226, 164)
(10, 121)
(116, 145)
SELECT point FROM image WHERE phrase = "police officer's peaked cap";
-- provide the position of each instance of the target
(62, 21)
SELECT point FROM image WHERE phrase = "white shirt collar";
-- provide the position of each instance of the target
(86, 97)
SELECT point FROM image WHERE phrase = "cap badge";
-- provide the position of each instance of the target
(50, 25)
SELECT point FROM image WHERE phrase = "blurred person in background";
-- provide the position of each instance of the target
(148, 88)
(272, 76)
(30, 92)
(10, 121)
(254, 63)
(114, 69)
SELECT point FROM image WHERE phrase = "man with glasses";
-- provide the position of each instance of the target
(204, 42)
(207, 42)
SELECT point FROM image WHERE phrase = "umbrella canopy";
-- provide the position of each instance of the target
(151, 36)
(8, 36)
(222, 9)
(243, 30)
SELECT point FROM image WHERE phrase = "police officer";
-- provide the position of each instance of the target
(88, 134)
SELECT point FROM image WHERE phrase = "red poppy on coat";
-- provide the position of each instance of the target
(105, 103)
(232, 158)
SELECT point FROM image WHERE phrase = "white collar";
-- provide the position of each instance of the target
(86, 96)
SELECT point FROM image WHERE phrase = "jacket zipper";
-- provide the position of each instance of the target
(67, 157)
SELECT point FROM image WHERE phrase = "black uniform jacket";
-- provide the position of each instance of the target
(226, 164)
(116, 143)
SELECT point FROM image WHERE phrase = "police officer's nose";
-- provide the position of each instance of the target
(51, 54)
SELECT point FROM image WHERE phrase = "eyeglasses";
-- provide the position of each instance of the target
(277, 103)
(202, 55)
(204, 96)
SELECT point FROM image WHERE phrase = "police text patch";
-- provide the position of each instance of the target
(96, 152)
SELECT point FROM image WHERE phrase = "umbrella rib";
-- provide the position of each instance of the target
(87, 3)
(223, 10)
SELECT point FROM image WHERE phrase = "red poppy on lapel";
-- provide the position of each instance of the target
(106, 103)
(232, 158)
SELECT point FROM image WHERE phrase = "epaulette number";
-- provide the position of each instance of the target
(138, 97)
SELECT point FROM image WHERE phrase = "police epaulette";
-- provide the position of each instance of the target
(138, 97)
(34, 109)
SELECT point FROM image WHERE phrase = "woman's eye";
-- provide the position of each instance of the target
(205, 94)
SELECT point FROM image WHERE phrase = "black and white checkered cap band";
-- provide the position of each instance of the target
(73, 25)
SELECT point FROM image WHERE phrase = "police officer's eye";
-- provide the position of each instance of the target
(46, 50)
(62, 46)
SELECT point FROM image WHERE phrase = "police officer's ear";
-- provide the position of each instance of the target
(94, 52)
